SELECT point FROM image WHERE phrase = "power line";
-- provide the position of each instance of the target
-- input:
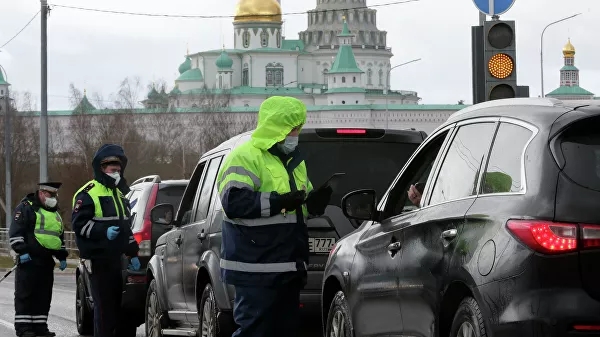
(223, 16)
(22, 29)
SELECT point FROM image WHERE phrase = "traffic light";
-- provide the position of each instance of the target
(500, 54)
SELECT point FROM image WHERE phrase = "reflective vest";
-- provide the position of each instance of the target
(48, 228)
(257, 251)
(104, 211)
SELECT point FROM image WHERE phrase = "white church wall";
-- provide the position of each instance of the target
(272, 32)
(346, 99)
(259, 64)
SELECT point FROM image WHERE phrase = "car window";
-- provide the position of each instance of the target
(503, 173)
(184, 214)
(372, 165)
(417, 171)
(207, 189)
(460, 168)
(170, 194)
(580, 145)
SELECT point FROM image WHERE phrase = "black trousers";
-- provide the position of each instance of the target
(267, 312)
(107, 290)
(33, 294)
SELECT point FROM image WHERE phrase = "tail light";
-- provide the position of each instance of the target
(332, 250)
(553, 237)
(586, 327)
(136, 279)
(351, 131)
(144, 236)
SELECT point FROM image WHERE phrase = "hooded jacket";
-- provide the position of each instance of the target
(22, 237)
(91, 230)
(264, 245)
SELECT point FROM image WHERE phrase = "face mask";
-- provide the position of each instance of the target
(289, 145)
(51, 202)
(116, 176)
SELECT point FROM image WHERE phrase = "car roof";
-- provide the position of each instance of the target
(155, 179)
(408, 135)
(542, 112)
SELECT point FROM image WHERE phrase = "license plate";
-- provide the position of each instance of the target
(320, 245)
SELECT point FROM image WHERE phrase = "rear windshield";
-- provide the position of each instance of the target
(580, 145)
(170, 195)
(372, 165)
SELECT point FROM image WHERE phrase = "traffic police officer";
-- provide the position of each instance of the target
(263, 186)
(36, 235)
(102, 229)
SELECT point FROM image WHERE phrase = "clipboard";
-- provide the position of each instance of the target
(333, 181)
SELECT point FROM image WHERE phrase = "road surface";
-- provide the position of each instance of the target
(62, 312)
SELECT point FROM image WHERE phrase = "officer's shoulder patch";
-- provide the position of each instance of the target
(77, 205)
(88, 187)
(17, 215)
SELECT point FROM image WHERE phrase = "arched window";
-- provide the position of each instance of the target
(246, 39)
(369, 77)
(220, 81)
(334, 79)
(245, 76)
(278, 37)
(343, 79)
(380, 76)
(353, 79)
(264, 38)
(325, 72)
(274, 74)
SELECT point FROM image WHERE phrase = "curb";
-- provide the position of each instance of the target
(56, 271)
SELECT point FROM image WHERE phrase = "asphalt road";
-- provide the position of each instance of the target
(62, 312)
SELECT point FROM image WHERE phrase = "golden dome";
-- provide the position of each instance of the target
(569, 50)
(258, 11)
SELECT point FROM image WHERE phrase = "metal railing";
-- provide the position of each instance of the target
(69, 243)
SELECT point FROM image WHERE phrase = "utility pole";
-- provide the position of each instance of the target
(7, 156)
(44, 94)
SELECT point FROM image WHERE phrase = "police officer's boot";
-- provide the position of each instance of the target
(28, 334)
(45, 334)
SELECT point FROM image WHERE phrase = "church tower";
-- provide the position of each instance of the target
(257, 24)
(3, 91)
(569, 88)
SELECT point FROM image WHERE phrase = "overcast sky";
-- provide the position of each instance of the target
(97, 50)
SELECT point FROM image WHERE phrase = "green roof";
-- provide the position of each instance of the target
(186, 65)
(345, 30)
(345, 61)
(346, 90)
(568, 68)
(292, 44)
(2, 80)
(84, 107)
(153, 93)
(175, 90)
(224, 61)
(192, 75)
(271, 91)
(575, 90)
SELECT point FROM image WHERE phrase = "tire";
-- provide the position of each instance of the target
(84, 317)
(468, 320)
(339, 319)
(156, 320)
(207, 314)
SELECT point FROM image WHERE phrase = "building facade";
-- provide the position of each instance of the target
(569, 88)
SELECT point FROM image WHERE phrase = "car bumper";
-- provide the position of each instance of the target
(545, 312)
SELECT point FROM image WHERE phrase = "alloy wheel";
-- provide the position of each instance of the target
(466, 330)
(208, 328)
(154, 329)
(79, 305)
(338, 324)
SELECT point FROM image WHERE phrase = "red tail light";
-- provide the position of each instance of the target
(144, 236)
(545, 236)
(555, 238)
(351, 131)
(582, 327)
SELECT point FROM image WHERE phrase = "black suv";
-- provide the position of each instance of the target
(185, 290)
(505, 240)
(145, 194)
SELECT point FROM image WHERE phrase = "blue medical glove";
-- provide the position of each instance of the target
(63, 265)
(24, 258)
(134, 264)
(112, 232)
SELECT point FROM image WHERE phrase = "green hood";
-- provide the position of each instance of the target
(277, 116)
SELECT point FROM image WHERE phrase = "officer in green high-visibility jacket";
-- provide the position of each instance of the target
(36, 235)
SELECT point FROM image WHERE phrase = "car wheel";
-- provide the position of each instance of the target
(339, 321)
(156, 321)
(468, 320)
(207, 312)
(83, 315)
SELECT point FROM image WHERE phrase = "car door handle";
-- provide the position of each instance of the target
(449, 234)
(394, 246)
(201, 236)
(178, 241)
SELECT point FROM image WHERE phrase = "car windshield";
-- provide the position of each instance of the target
(372, 165)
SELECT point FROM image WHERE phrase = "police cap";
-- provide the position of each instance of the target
(51, 187)
(110, 160)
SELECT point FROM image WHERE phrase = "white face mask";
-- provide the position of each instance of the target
(51, 202)
(289, 145)
(116, 176)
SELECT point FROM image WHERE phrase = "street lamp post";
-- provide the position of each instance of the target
(542, 49)
(387, 91)
(7, 153)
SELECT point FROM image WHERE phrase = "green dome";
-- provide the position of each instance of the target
(186, 65)
(153, 93)
(175, 91)
(224, 61)
(192, 75)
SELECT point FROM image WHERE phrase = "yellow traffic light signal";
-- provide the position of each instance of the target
(501, 66)
(500, 59)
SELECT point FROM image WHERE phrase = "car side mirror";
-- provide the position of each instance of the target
(360, 205)
(162, 214)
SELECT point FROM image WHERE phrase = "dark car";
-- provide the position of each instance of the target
(504, 242)
(145, 193)
(185, 289)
